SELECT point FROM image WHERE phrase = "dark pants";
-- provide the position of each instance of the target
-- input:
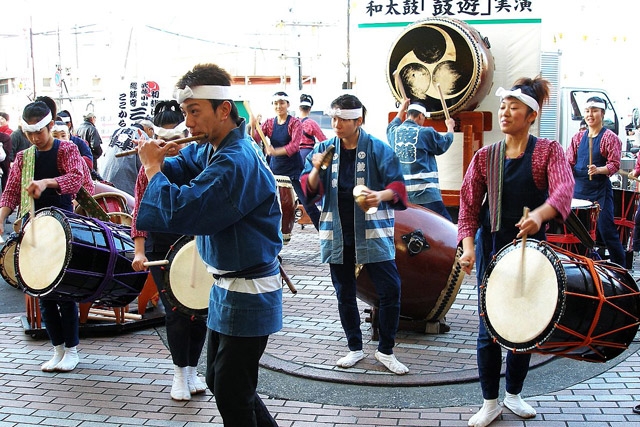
(310, 207)
(636, 232)
(61, 321)
(232, 375)
(386, 279)
(608, 231)
(185, 333)
(439, 208)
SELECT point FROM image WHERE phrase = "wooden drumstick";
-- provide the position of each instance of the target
(194, 264)
(258, 128)
(32, 216)
(155, 263)
(399, 85)
(285, 278)
(520, 293)
(590, 154)
(176, 141)
(444, 104)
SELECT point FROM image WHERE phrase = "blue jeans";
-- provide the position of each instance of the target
(386, 279)
(61, 321)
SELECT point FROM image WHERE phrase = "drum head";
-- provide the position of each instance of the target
(189, 280)
(43, 252)
(579, 203)
(521, 293)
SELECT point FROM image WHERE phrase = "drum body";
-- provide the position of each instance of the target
(67, 256)
(288, 203)
(558, 234)
(446, 52)
(541, 298)
(187, 281)
(427, 260)
(625, 205)
(7, 261)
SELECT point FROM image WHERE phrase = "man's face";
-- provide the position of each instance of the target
(200, 118)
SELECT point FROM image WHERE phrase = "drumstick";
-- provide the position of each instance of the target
(194, 264)
(399, 85)
(285, 278)
(590, 154)
(444, 104)
(32, 215)
(520, 293)
(258, 128)
(177, 141)
(155, 263)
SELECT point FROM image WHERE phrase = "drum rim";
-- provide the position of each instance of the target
(560, 305)
(171, 254)
(9, 244)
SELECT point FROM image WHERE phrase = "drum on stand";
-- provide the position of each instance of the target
(428, 264)
(625, 205)
(67, 256)
(187, 281)
(558, 234)
(7, 261)
(288, 203)
(445, 52)
(541, 298)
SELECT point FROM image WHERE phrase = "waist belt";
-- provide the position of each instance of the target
(255, 272)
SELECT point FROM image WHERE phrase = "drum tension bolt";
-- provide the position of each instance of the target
(416, 242)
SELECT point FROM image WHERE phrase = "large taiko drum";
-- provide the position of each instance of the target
(427, 260)
(442, 51)
(67, 256)
(187, 281)
(541, 298)
(288, 204)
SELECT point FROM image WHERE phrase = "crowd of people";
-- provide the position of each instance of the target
(223, 191)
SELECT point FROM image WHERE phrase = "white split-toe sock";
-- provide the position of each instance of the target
(58, 354)
(487, 414)
(350, 359)
(518, 406)
(196, 385)
(392, 364)
(180, 385)
(69, 360)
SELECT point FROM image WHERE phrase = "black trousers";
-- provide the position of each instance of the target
(232, 375)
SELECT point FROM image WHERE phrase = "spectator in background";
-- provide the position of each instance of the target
(86, 153)
(19, 142)
(4, 123)
(88, 131)
(5, 164)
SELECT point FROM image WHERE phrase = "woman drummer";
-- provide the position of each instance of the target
(185, 334)
(54, 172)
(503, 178)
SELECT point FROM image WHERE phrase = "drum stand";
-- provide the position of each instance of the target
(302, 217)
(421, 326)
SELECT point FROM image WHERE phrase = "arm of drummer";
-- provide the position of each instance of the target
(534, 220)
(313, 179)
(403, 108)
(5, 211)
(468, 257)
(139, 257)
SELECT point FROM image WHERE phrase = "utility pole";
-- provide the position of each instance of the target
(347, 84)
(33, 65)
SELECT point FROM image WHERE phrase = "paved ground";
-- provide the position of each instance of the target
(124, 379)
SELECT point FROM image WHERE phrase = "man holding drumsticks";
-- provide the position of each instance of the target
(223, 193)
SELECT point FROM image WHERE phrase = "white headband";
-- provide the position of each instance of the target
(345, 114)
(65, 119)
(168, 134)
(419, 108)
(279, 97)
(517, 93)
(595, 104)
(26, 127)
(59, 128)
(307, 103)
(204, 92)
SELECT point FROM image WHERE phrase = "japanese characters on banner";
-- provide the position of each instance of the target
(398, 11)
(137, 102)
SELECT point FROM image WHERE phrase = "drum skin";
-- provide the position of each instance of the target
(442, 51)
(431, 278)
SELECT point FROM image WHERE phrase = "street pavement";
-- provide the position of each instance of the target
(123, 379)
